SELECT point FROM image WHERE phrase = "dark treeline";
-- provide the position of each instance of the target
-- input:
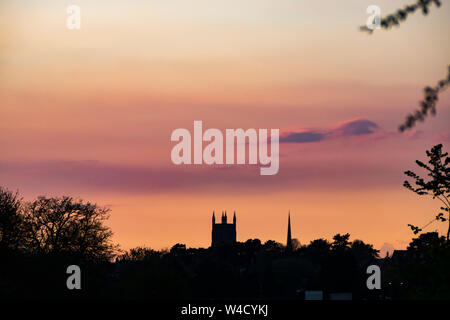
(41, 238)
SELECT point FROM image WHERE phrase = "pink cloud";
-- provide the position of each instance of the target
(72, 177)
(441, 137)
(354, 127)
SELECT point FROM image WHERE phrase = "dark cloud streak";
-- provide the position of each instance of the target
(357, 127)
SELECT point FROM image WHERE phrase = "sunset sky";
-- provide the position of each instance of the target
(89, 113)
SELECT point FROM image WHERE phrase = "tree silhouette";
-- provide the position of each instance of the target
(66, 225)
(425, 242)
(341, 242)
(428, 104)
(363, 251)
(56, 232)
(437, 186)
(11, 231)
(139, 254)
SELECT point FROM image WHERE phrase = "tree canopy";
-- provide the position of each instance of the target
(437, 185)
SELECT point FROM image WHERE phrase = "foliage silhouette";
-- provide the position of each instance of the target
(244, 270)
(437, 186)
(428, 104)
(402, 14)
(55, 225)
(422, 271)
(11, 220)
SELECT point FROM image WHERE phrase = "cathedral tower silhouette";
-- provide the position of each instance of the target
(223, 232)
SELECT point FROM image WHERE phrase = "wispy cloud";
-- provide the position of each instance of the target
(303, 136)
(73, 177)
(441, 137)
(355, 127)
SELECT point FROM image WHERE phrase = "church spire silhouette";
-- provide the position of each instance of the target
(289, 237)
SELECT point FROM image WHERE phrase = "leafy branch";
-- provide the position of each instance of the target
(396, 18)
(428, 104)
(437, 186)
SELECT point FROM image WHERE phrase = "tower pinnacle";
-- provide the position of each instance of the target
(223, 232)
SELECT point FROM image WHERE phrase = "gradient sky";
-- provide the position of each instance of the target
(89, 113)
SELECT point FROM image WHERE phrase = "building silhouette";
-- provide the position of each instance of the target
(223, 232)
(289, 237)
